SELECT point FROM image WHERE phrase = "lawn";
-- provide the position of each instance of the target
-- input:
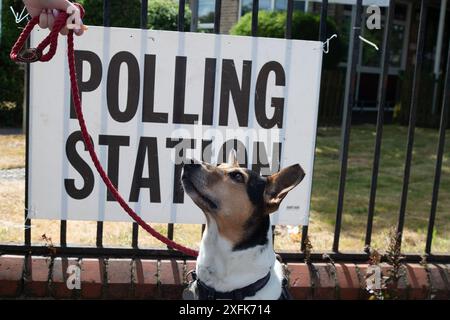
(324, 197)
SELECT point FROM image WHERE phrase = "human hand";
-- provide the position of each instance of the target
(48, 10)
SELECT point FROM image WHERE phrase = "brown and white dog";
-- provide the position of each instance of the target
(236, 250)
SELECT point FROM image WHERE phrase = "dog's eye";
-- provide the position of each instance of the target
(237, 176)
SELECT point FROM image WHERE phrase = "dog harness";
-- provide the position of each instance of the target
(205, 292)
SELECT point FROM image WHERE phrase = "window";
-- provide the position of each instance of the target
(398, 37)
(271, 5)
(206, 9)
(397, 44)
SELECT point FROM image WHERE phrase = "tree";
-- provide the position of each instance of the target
(11, 74)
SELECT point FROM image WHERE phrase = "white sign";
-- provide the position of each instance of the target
(154, 98)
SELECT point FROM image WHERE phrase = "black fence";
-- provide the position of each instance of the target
(135, 252)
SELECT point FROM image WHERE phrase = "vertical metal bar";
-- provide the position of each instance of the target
(287, 35)
(440, 153)
(144, 25)
(181, 9)
(323, 21)
(106, 23)
(412, 115)
(170, 231)
(194, 16)
(354, 47)
(99, 237)
(106, 13)
(304, 236)
(273, 235)
(27, 231)
(217, 16)
(144, 14)
(322, 38)
(289, 13)
(63, 233)
(255, 11)
(381, 97)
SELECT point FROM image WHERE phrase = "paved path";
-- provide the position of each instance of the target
(12, 174)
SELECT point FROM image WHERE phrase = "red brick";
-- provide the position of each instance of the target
(398, 290)
(348, 281)
(59, 278)
(439, 285)
(92, 278)
(445, 274)
(190, 265)
(361, 270)
(300, 281)
(171, 279)
(36, 281)
(418, 281)
(145, 279)
(325, 283)
(11, 271)
(119, 278)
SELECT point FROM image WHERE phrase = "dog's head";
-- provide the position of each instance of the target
(239, 200)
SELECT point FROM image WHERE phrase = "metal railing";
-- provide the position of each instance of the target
(135, 252)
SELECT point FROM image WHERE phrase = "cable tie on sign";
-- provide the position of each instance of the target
(326, 43)
(369, 42)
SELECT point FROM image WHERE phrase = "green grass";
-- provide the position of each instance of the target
(326, 180)
(324, 197)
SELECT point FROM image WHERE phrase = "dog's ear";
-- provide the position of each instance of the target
(279, 184)
(232, 158)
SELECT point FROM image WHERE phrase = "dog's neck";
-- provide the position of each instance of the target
(223, 269)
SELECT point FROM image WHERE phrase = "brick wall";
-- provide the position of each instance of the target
(40, 277)
(229, 15)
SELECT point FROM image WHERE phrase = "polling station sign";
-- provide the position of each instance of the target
(154, 98)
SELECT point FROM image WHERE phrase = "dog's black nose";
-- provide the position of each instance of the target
(190, 165)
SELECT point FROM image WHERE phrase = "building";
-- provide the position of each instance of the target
(402, 51)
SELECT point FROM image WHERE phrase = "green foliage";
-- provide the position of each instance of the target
(125, 14)
(163, 15)
(11, 73)
(305, 26)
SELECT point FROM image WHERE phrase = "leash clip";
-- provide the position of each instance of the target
(29, 55)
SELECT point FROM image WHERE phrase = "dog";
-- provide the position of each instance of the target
(236, 258)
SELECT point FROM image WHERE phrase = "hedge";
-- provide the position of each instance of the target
(304, 26)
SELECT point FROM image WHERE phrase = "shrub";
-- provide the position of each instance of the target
(163, 15)
(305, 26)
(125, 14)
(11, 74)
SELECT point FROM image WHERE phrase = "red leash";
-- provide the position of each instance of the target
(36, 54)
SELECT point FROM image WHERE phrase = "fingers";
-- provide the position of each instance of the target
(47, 18)
(34, 9)
(64, 31)
(79, 32)
(50, 19)
(43, 19)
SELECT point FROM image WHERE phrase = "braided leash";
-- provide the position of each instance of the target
(36, 54)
